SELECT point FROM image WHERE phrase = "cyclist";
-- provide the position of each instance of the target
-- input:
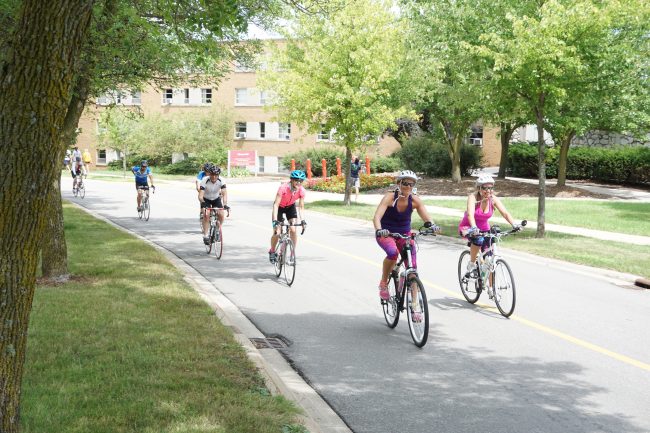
(143, 178)
(205, 171)
(285, 205)
(212, 193)
(480, 207)
(393, 215)
(78, 171)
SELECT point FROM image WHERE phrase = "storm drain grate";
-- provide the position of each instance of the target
(269, 343)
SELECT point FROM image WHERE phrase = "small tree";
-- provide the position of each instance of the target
(339, 72)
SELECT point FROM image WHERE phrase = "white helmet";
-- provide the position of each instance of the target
(483, 179)
(407, 174)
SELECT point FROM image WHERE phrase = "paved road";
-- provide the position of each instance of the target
(575, 357)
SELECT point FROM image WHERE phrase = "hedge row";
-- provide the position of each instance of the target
(381, 164)
(630, 165)
(337, 183)
(423, 154)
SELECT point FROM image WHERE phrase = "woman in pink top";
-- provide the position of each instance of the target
(285, 205)
(480, 207)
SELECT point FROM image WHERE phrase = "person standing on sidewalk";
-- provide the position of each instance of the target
(355, 168)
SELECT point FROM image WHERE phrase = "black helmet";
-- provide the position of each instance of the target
(144, 163)
(207, 167)
(215, 170)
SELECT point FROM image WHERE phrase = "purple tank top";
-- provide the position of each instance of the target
(396, 221)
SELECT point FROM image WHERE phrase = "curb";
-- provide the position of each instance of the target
(279, 377)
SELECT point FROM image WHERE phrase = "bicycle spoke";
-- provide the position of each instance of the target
(417, 311)
(391, 307)
(289, 262)
(504, 288)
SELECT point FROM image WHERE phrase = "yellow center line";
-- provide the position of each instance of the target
(531, 324)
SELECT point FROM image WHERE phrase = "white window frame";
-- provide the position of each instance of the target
(241, 96)
(240, 130)
(167, 96)
(186, 94)
(205, 99)
(262, 130)
(284, 132)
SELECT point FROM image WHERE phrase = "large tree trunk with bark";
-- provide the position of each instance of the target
(54, 254)
(507, 129)
(541, 164)
(565, 143)
(346, 172)
(36, 79)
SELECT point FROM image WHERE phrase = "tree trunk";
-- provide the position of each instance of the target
(36, 79)
(54, 254)
(456, 144)
(346, 172)
(507, 129)
(541, 163)
(565, 142)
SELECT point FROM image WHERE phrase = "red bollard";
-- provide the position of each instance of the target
(367, 165)
(309, 169)
(338, 166)
(293, 164)
(324, 165)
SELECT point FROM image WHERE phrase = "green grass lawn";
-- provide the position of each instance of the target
(128, 346)
(612, 216)
(617, 256)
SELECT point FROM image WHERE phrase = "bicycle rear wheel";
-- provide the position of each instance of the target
(391, 306)
(417, 311)
(82, 191)
(146, 207)
(279, 259)
(289, 262)
(218, 241)
(504, 288)
(468, 286)
(75, 191)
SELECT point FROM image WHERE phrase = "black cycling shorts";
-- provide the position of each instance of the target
(290, 211)
(212, 203)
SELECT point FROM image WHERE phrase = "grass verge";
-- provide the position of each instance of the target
(612, 216)
(617, 256)
(128, 346)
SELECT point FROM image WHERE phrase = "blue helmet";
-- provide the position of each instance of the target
(298, 174)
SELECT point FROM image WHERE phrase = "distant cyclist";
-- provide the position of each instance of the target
(78, 172)
(212, 193)
(393, 215)
(480, 208)
(143, 179)
(285, 205)
(205, 171)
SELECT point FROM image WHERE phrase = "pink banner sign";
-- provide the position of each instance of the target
(242, 158)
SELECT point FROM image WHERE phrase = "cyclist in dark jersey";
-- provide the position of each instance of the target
(393, 215)
(143, 178)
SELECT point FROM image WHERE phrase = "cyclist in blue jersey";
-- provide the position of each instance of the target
(143, 178)
(207, 168)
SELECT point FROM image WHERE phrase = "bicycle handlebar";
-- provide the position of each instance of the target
(495, 231)
(218, 208)
(421, 232)
(300, 224)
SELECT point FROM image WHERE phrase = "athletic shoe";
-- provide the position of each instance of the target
(383, 291)
(273, 257)
(206, 240)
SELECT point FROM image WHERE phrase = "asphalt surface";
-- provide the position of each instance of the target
(573, 358)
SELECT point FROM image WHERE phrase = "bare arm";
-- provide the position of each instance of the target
(276, 206)
(502, 209)
(421, 209)
(201, 194)
(471, 204)
(301, 208)
(381, 209)
(224, 197)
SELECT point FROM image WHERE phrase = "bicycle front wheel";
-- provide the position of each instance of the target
(208, 246)
(289, 263)
(75, 191)
(146, 208)
(391, 306)
(468, 286)
(504, 288)
(218, 241)
(279, 258)
(418, 311)
(82, 191)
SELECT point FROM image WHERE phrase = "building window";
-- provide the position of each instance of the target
(168, 95)
(100, 129)
(118, 97)
(262, 98)
(240, 96)
(262, 130)
(240, 130)
(101, 156)
(137, 98)
(206, 96)
(285, 131)
(186, 92)
(103, 100)
(324, 135)
(476, 137)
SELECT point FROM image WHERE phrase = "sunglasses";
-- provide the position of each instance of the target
(487, 188)
(297, 180)
(409, 184)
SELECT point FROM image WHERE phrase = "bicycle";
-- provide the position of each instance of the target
(80, 190)
(490, 273)
(405, 276)
(285, 253)
(145, 207)
(215, 233)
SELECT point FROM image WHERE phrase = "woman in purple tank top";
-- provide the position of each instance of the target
(393, 215)
(480, 208)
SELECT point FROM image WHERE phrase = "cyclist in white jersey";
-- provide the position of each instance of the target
(212, 193)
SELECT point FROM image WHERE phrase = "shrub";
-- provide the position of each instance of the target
(190, 165)
(337, 183)
(384, 164)
(315, 155)
(423, 154)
